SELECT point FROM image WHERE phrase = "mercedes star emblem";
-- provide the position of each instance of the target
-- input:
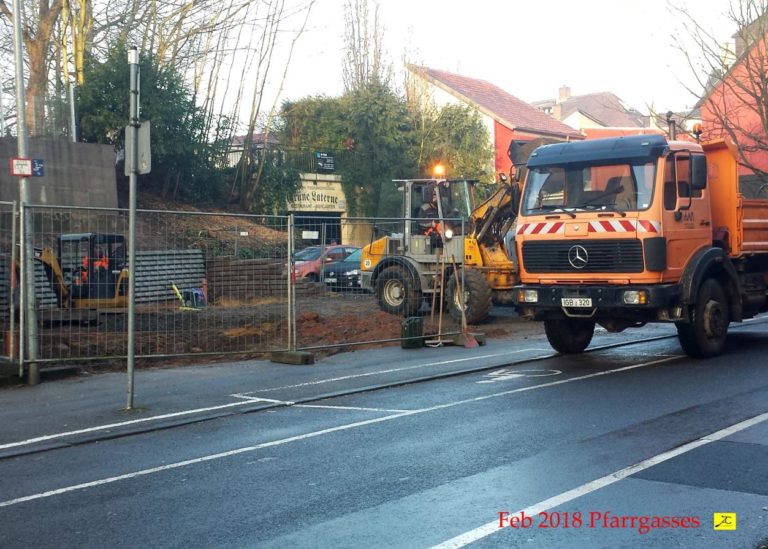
(578, 257)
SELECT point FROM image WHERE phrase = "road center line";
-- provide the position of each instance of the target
(296, 438)
(592, 486)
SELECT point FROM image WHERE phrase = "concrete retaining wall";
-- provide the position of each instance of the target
(76, 174)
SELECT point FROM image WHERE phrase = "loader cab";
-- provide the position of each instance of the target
(424, 200)
(91, 263)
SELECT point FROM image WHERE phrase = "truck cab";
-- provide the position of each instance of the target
(624, 231)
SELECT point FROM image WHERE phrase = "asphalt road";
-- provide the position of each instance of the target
(626, 445)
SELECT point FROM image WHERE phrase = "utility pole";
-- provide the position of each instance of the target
(2, 107)
(72, 114)
(133, 135)
(28, 249)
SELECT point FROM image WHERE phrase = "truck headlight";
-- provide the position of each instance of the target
(448, 234)
(635, 297)
(528, 296)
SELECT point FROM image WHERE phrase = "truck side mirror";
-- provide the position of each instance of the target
(515, 198)
(698, 172)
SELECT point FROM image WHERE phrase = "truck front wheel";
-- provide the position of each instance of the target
(569, 335)
(396, 292)
(705, 335)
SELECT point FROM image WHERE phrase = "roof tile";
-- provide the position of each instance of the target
(502, 106)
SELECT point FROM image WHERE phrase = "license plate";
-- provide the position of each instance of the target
(576, 302)
(330, 281)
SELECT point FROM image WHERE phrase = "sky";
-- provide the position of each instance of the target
(528, 48)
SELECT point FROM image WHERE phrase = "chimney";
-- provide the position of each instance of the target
(564, 93)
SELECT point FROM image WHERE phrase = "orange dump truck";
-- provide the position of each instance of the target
(625, 231)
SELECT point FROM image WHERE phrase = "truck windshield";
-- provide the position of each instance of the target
(615, 187)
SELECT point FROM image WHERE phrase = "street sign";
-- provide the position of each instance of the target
(38, 167)
(21, 167)
(324, 162)
(145, 154)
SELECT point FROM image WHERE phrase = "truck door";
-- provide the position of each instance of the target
(686, 216)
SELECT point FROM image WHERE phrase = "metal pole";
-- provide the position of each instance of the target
(22, 292)
(28, 247)
(2, 108)
(12, 311)
(72, 113)
(133, 135)
(291, 289)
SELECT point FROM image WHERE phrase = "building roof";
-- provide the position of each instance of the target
(259, 139)
(491, 100)
(604, 108)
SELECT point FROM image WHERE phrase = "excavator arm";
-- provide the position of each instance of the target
(54, 274)
(491, 220)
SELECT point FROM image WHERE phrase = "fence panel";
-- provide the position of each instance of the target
(336, 310)
(205, 283)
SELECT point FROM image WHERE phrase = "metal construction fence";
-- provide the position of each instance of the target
(206, 284)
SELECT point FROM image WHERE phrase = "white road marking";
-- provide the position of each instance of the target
(505, 374)
(314, 434)
(391, 370)
(65, 434)
(243, 396)
(354, 408)
(258, 399)
(592, 486)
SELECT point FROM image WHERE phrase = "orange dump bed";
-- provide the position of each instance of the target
(744, 219)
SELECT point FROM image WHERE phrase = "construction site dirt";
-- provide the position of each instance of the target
(326, 323)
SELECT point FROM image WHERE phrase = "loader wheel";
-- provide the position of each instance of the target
(705, 336)
(569, 335)
(396, 292)
(476, 300)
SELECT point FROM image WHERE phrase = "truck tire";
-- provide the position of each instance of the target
(569, 335)
(477, 297)
(705, 335)
(396, 292)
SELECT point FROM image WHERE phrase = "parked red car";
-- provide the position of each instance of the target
(308, 263)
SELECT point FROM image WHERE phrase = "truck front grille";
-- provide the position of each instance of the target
(602, 256)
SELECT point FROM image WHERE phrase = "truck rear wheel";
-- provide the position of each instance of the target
(705, 335)
(396, 292)
(476, 300)
(569, 335)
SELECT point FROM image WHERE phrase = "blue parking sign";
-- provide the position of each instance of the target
(38, 168)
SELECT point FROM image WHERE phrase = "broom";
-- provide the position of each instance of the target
(469, 339)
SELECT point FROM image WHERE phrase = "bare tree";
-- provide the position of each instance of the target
(249, 170)
(734, 80)
(37, 35)
(364, 60)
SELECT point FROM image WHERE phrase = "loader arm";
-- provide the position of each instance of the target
(494, 217)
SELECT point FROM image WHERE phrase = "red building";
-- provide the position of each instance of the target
(734, 106)
(507, 118)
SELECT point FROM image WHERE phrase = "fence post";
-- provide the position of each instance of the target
(291, 289)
